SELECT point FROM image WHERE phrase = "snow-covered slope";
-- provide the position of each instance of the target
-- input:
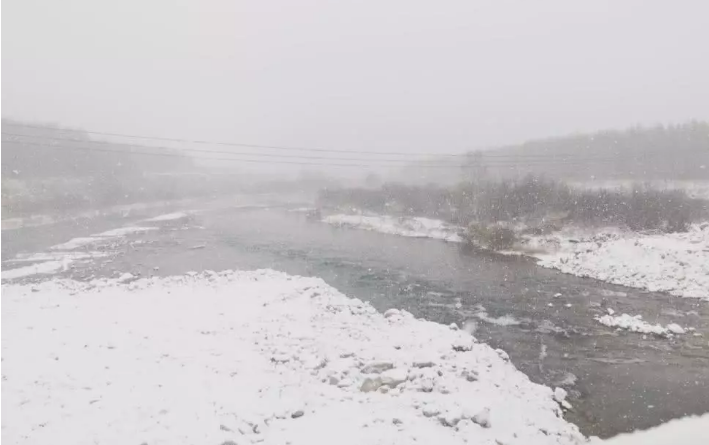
(252, 357)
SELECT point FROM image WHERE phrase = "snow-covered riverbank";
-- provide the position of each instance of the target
(677, 263)
(252, 357)
(414, 227)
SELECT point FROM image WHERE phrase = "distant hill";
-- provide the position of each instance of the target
(671, 152)
(46, 151)
(48, 169)
(659, 153)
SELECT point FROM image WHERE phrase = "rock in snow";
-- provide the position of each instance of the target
(377, 367)
(483, 418)
(371, 384)
(202, 359)
(394, 376)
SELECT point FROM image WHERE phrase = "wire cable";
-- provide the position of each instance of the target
(412, 164)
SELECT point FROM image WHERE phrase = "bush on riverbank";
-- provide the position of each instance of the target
(494, 236)
(538, 203)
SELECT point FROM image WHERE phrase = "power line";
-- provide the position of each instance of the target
(478, 161)
(469, 155)
(197, 150)
(472, 156)
(177, 155)
(311, 164)
(235, 144)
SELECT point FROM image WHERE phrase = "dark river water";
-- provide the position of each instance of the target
(617, 381)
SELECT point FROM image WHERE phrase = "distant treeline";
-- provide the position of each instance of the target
(643, 153)
(53, 169)
(663, 152)
(46, 151)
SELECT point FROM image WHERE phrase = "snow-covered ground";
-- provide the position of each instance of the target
(404, 226)
(677, 263)
(250, 357)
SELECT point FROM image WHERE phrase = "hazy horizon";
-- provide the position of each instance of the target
(394, 75)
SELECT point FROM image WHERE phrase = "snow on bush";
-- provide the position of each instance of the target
(250, 357)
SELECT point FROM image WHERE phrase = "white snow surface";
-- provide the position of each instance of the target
(123, 231)
(47, 263)
(416, 227)
(677, 263)
(108, 235)
(46, 267)
(690, 430)
(252, 357)
(75, 243)
(61, 256)
(168, 217)
(55, 256)
(635, 323)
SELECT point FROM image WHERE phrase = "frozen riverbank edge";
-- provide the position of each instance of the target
(676, 263)
(253, 357)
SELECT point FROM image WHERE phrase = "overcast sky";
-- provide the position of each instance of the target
(424, 76)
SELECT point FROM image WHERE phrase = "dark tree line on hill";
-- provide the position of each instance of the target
(50, 169)
(663, 152)
(60, 152)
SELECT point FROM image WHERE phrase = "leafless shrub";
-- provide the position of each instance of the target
(541, 203)
(493, 236)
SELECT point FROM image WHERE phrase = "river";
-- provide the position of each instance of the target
(617, 381)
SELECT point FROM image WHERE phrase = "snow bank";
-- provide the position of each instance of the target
(404, 226)
(677, 263)
(635, 323)
(252, 357)
(61, 256)
(54, 256)
(76, 243)
(47, 267)
(303, 210)
(123, 231)
(168, 217)
(690, 430)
